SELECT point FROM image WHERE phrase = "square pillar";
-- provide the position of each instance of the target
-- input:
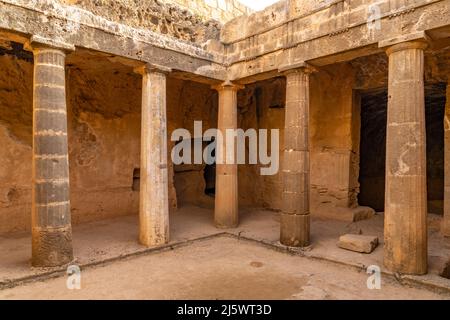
(445, 228)
(295, 215)
(226, 212)
(153, 201)
(405, 229)
(51, 223)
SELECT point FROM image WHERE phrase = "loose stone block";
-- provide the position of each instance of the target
(358, 243)
(361, 213)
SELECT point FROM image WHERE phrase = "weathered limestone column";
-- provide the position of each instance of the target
(226, 213)
(295, 216)
(405, 230)
(51, 224)
(153, 203)
(446, 221)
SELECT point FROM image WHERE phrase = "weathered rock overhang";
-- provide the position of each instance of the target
(21, 19)
(336, 32)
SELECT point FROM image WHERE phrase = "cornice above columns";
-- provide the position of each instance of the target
(150, 67)
(418, 40)
(228, 85)
(301, 66)
(37, 42)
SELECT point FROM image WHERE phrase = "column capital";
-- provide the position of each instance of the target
(150, 68)
(38, 42)
(418, 40)
(228, 85)
(297, 67)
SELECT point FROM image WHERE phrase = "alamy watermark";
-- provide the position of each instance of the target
(73, 277)
(228, 146)
(374, 17)
(374, 280)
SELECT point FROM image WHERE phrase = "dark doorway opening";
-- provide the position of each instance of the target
(210, 180)
(373, 147)
(210, 173)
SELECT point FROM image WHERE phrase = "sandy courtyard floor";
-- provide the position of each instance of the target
(219, 268)
(108, 242)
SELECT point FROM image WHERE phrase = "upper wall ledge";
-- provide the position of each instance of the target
(285, 12)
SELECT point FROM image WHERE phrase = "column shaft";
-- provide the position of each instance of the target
(406, 184)
(51, 225)
(154, 205)
(295, 216)
(226, 214)
(446, 220)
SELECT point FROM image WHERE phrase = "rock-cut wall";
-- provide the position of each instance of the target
(220, 10)
(104, 116)
(165, 18)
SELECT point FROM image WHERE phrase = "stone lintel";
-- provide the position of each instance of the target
(41, 42)
(304, 66)
(228, 85)
(419, 39)
(150, 67)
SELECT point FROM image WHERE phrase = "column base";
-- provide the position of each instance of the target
(295, 230)
(418, 270)
(51, 247)
(220, 225)
(153, 242)
(226, 220)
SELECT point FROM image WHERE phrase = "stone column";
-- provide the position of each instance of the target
(405, 230)
(153, 204)
(446, 220)
(295, 215)
(51, 225)
(226, 213)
